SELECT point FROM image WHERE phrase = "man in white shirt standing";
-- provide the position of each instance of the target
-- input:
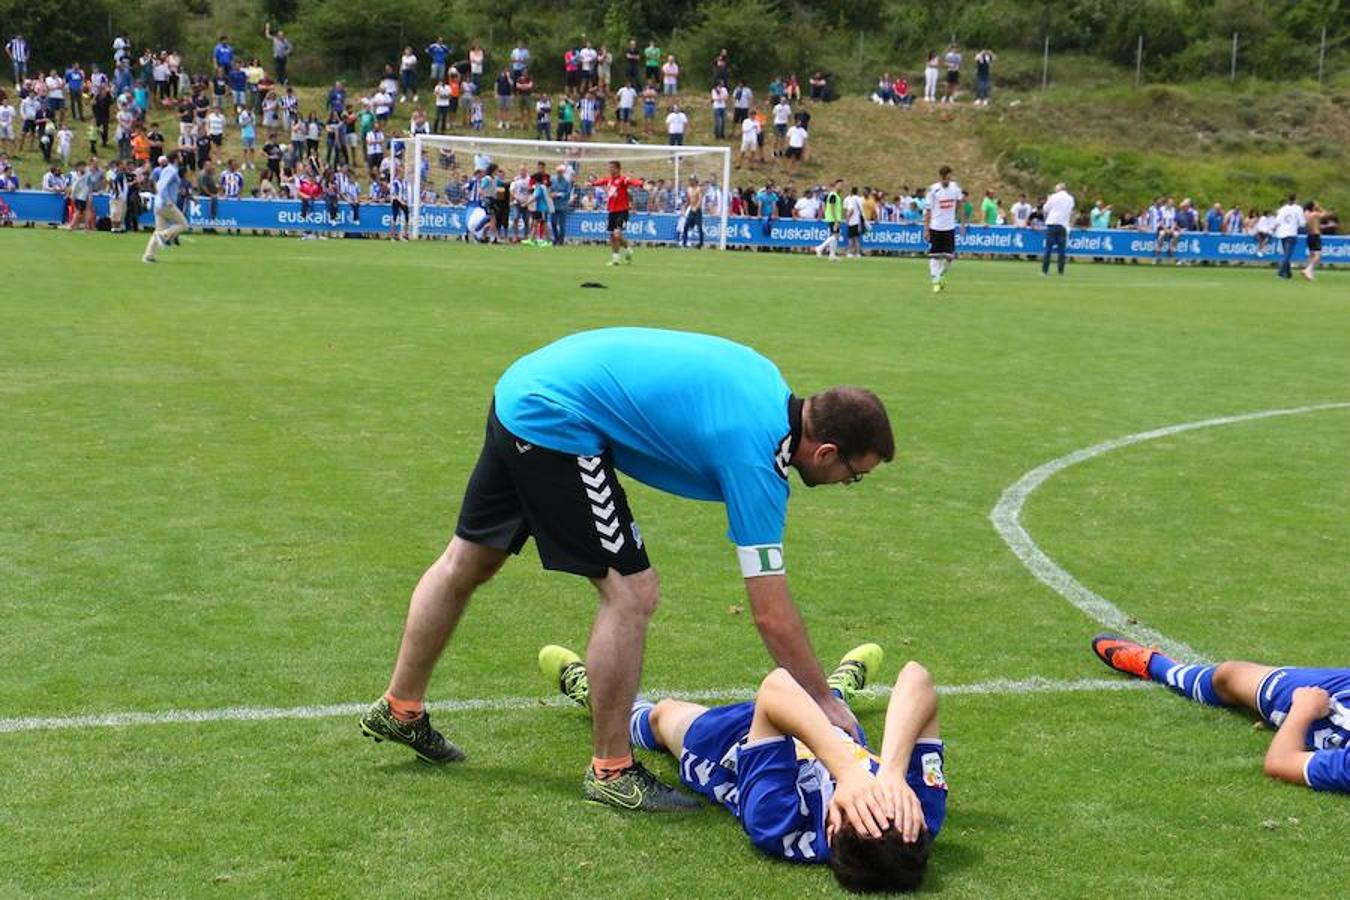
(853, 222)
(676, 122)
(796, 146)
(627, 99)
(940, 216)
(1058, 212)
(749, 140)
(1020, 212)
(7, 116)
(782, 114)
(719, 110)
(1288, 220)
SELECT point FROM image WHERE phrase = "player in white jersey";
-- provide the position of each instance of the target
(400, 194)
(941, 214)
(1167, 233)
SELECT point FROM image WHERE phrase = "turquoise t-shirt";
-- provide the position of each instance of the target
(691, 414)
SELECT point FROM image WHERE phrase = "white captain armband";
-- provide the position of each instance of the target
(764, 559)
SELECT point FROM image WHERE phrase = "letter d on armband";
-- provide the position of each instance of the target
(766, 559)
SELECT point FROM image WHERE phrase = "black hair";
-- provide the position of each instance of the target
(863, 864)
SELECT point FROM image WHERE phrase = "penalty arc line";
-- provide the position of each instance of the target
(998, 686)
(1007, 513)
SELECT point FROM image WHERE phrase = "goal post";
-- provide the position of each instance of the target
(441, 158)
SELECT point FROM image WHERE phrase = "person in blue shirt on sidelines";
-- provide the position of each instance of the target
(802, 789)
(1310, 708)
(690, 414)
(169, 219)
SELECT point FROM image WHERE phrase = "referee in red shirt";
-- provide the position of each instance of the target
(617, 203)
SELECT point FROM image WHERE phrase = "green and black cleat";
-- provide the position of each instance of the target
(566, 670)
(380, 724)
(854, 670)
(636, 789)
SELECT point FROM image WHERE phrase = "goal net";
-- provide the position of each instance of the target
(440, 169)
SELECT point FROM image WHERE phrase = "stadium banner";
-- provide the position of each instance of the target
(583, 225)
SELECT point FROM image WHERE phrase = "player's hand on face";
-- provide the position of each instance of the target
(1313, 700)
(860, 799)
(903, 805)
(840, 716)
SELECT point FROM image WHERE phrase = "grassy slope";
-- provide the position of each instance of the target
(1252, 142)
(225, 493)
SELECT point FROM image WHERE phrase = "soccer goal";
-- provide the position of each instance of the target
(446, 159)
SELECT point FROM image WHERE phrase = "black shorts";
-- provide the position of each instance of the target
(739, 116)
(573, 506)
(794, 153)
(854, 231)
(617, 221)
(941, 243)
(1314, 243)
(953, 77)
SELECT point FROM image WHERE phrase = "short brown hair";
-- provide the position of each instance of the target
(854, 420)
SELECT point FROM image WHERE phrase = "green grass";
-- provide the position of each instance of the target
(222, 487)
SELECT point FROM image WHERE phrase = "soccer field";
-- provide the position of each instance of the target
(225, 473)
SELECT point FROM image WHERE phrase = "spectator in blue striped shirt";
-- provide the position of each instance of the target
(587, 111)
(17, 51)
(231, 181)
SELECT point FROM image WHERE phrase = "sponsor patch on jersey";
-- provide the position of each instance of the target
(932, 771)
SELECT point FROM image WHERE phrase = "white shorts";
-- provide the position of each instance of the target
(7, 132)
(749, 143)
(478, 222)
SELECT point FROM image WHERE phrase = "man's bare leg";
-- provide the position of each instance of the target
(437, 603)
(670, 721)
(614, 657)
(1237, 682)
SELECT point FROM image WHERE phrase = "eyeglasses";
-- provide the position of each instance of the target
(854, 476)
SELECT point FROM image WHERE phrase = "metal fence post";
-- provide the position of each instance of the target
(1139, 59)
(1045, 64)
(1322, 55)
(1232, 69)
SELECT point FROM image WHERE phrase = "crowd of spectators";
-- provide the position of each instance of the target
(349, 150)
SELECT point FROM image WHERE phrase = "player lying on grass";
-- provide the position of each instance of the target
(801, 788)
(1309, 707)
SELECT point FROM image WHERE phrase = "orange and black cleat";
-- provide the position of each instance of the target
(1122, 654)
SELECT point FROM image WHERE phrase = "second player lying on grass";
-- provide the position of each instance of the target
(801, 788)
(1310, 707)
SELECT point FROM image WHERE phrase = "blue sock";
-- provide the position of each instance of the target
(1192, 682)
(640, 727)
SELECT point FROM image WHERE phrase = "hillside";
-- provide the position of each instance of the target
(1252, 142)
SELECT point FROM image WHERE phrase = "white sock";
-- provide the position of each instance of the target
(934, 267)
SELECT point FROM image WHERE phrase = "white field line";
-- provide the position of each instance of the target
(335, 710)
(1006, 516)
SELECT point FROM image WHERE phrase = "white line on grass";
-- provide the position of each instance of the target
(334, 710)
(1006, 516)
